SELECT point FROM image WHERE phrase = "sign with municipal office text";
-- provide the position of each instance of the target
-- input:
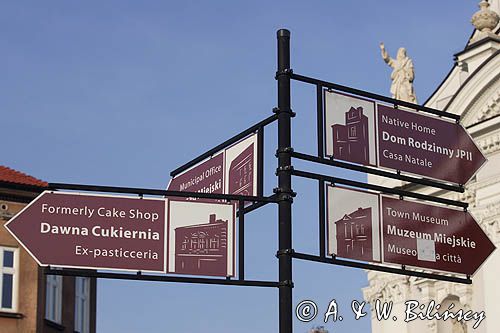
(363, 132)
(230, 171)
(371, 227)
(124, 233)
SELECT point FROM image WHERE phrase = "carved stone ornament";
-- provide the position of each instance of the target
(386, 289)
(485, 20)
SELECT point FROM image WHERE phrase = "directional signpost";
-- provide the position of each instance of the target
(363, 132)
(412, 233)
(191, 229)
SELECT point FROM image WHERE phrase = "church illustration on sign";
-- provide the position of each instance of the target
(202, 248)
(354, 235)
(350, 141)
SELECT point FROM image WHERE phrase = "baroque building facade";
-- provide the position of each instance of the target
(472, 90)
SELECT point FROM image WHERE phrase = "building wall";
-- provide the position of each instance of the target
(472, 90)
(28, 280)
(30, 314)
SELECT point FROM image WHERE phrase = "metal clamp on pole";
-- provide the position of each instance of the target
(285, 252)
(277, 110)
(279, 190)
(286, 71)
(283, 168)
(287, 150)
(284, 194)
(286, 283)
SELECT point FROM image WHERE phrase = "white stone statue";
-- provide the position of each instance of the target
(402, 75)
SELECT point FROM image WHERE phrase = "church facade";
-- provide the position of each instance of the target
(472, 90)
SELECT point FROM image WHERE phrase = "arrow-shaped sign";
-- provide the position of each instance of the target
(92, 231)
(372, 227)
(433, 237)
(363, 132)
(426, 146)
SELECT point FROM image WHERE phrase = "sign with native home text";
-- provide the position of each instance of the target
(369, 226)
(363, 132)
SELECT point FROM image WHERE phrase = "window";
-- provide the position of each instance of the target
(353, 130)
(53, 298)
(82, 304)
(9, 272)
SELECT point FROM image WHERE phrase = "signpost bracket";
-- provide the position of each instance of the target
(389, 190)
(156, 192)
(285, 71)
(278, 110)
(160, 278)
(226, 143)
(380, 268)
(354, 91)
(284, 252)
(286, 283)
(378, 172)
(283, 150)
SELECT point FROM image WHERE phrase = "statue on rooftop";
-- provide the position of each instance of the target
(402, 75)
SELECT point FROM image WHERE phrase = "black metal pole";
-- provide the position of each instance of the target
(322, 218)
(241, 240)
(319, 120)
(284, 189)
(260, 161)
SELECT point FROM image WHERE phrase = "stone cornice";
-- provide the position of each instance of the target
(484, 105)
(489, 143)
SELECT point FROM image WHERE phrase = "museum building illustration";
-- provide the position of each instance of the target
(354, 235)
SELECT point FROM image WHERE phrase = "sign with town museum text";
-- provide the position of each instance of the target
(371, 227)
(363, 132)
(231, 171)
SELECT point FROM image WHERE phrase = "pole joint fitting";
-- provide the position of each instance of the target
(284, 252)
(286, 283)
(286, 72)
(287, 150)
(279, 190)
(277, 110)
(283, 168)
(286, 197)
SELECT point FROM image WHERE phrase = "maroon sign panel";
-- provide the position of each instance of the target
(432, 237)
(426, 146)
(90, 231)
(362, 132)
(371, 227)
(207, 177)
(232, 171)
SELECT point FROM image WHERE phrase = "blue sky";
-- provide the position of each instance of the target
(122, 92)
